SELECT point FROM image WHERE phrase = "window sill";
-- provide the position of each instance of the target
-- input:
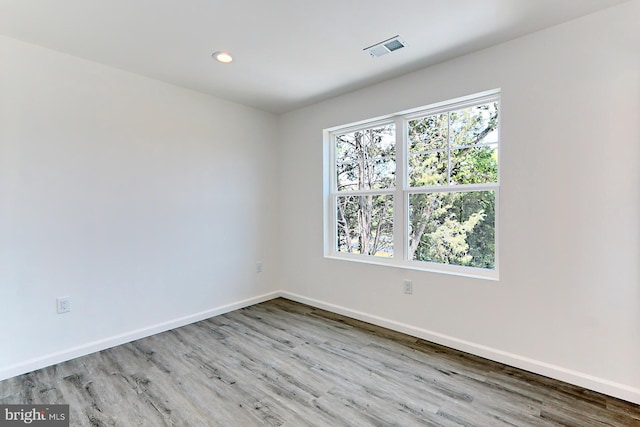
(454, 270)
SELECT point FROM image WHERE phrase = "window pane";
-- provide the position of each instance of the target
(475, 165)
(474, 125)
(365, 224)
(428, 169)
(365, 159)
(453, 228)
(428, 133)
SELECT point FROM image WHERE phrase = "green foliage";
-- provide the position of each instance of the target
(477, 165)
(453, 228)
(450, 240)
(450, 149)
(481, 237)
(444, 150)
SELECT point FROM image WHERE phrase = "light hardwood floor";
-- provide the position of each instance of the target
(281, 363)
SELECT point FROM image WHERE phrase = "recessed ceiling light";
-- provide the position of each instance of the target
(222, 56)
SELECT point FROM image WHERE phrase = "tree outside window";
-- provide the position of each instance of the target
(441, 191)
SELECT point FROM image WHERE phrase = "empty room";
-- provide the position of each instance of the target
(328, 213)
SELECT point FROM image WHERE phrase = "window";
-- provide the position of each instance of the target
(418, 189)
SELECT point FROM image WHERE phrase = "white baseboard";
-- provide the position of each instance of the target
(590, 382)
(587, 381)
(92, 347)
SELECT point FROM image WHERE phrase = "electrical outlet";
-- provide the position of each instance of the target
(408, 287)
(259, 267)
(63, 304)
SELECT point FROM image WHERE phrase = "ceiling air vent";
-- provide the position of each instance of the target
(384, 47)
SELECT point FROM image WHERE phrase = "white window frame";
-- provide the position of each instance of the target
(401, 191)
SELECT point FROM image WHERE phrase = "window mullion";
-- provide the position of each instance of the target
(399, 202)
(448, 148)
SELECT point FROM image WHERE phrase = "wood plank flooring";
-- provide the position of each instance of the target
(281, 363)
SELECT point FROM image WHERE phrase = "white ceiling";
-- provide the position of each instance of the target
(288, 53)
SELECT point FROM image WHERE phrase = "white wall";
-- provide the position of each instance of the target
(568, 300)
(147, 204)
